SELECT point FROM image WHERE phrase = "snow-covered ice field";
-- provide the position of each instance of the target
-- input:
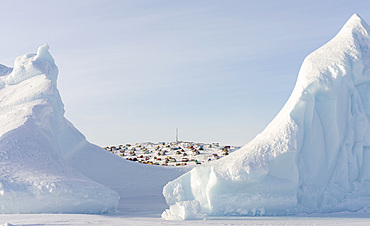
(83, 219)
(147, 211)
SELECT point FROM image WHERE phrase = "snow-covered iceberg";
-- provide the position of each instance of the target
(35, 139)
(46, 164)
(313, 157)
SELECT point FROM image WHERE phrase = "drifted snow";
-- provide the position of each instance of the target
(313, 157)
(46, 164)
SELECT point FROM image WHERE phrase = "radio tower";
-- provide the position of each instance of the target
(177, 135)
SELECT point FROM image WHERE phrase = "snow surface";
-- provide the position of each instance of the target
(46, 164)
(87, 219)
(313, 157)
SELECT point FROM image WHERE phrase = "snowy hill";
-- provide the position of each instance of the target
(313, 157)
(46, 165)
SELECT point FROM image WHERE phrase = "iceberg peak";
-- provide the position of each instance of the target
(355, 24)
(44, 62)
(356, 20)
(43, 53)
(31, 65)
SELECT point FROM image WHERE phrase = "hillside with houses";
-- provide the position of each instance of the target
(178, 153)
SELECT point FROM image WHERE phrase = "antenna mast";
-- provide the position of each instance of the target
(177, 135)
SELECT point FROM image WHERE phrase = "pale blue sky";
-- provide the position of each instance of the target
(134, 71)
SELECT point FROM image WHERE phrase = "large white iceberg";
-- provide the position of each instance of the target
(46, 164)
(34, 177)
(313, 157)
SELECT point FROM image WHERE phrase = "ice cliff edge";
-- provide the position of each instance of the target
(313, 157)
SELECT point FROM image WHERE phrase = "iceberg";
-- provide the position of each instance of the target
(46, 164)
(34, 135)
(313, 157)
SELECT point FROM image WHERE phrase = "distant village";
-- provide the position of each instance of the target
(178, 153)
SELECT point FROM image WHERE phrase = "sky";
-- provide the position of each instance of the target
(134, 71)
